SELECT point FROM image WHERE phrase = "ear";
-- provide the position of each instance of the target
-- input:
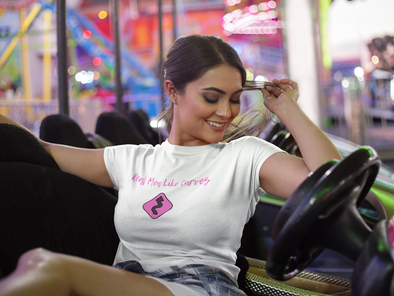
(171, 91)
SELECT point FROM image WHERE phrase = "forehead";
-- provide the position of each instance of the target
(224, 77)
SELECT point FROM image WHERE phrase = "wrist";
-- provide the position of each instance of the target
(288, 113)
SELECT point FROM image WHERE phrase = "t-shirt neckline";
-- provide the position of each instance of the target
(188, 149)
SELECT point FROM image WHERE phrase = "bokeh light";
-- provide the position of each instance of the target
(71, 70)
(261, 78)
(96, 61)
(272, 14)
(237, 13)
(253, 9)
(84, 77)
(102, 14)
(271, 4)
(87, 34)
(229, 27)
(263, 6)
(338, 76)
(262, 16)
(249, 74)
(359, 72)
(232, 2)
(392, 90)
(375, 59)
(228, 17)
(155, 124)
(96, 75)
(254, 19)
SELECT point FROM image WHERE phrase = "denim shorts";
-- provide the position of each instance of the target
(206, 279)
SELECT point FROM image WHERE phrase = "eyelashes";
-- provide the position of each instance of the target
(210, 101)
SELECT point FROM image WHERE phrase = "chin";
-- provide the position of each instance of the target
(214, 140)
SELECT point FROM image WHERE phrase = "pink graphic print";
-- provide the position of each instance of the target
(157, 206)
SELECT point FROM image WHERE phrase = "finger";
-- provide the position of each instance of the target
(282, 87)
(266, 93)
(274, 91)
(282, 84)
(289, 82)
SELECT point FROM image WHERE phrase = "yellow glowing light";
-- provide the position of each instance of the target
(96, 75)
(71, 70)
(249, 74)
(375, 59)
(102, 14)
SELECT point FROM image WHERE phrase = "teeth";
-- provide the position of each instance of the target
(215, 124)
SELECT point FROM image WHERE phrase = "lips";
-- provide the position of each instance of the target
(215, 124)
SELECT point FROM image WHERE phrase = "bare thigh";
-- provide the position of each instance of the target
(41, 273)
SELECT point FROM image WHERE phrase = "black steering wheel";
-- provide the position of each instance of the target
(322, 213)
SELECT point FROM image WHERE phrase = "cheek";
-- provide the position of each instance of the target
(235, 109)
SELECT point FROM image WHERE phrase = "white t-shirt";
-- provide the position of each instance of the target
(185, 205)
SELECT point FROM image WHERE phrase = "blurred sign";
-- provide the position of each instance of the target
(15, 4)
(257, 18)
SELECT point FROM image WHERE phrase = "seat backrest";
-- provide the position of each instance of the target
(118, 129)
(140, 121)
(18, 145)
(61, 129)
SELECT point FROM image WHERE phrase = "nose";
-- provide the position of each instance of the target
(224, 110)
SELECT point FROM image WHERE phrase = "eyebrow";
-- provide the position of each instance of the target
(221, 91)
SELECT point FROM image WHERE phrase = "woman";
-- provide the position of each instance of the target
(183, 204)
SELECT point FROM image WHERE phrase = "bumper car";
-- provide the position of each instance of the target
(323, 213)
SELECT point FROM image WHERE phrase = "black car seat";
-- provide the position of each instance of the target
(141, 122)
(118, 129)
(42, 206)
(61, 129)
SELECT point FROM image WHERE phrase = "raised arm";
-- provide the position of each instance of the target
(87, 164)
(281, 173)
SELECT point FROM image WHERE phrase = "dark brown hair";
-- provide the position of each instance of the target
(189, 58)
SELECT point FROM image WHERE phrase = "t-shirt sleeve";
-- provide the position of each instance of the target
(115, 159)
(260, 150)
(109, 160)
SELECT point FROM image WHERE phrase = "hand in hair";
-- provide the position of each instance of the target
(279, 102)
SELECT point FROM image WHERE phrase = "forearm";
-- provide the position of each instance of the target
(314, 145)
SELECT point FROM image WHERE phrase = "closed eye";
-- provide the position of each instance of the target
(210, 101)
(213, 101)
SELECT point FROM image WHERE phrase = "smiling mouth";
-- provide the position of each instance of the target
(215, 124)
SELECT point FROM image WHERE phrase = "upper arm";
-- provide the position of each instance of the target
(282, 173)
(87, 164)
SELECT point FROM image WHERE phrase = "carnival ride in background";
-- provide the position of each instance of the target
(137, 79)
